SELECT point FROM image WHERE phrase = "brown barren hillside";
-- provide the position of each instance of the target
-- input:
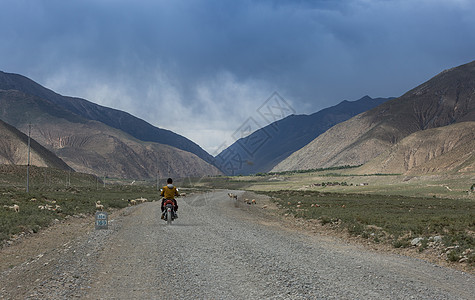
(93, 147)
(14, 150)
(446, 99)
(444, 149)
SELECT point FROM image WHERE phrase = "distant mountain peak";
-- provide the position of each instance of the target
(274, 142)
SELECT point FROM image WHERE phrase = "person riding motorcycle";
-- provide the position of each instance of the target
(168, 193)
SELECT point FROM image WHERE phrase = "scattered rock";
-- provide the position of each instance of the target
(436, 238)
(463, 259)
(416, 241)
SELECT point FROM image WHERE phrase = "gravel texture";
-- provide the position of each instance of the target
(217, 249)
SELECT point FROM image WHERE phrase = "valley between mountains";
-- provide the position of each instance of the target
(393, 172)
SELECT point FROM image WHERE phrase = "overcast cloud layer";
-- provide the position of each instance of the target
(202, 68)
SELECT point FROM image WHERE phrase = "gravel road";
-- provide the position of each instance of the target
(216, 250)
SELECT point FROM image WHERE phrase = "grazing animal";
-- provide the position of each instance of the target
(57, 208)
(140, 200)
(132, 202)
(99, 205)
(232, 196)
(14, 207)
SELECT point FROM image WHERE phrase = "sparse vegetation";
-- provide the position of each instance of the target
(66, 193)
(394, 219)
(381, 216)
(308, 171)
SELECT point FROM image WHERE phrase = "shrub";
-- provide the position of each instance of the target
(356, 229)
(424, 244)
(401, 243)
(325, 220)
(453, 255)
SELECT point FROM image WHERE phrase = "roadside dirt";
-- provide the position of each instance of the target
(29, 258)
(28, 246)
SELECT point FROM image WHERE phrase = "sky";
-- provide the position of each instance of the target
(208, 68)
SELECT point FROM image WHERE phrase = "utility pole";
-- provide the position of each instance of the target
(28, 165)
(158, 180)
(168, 169)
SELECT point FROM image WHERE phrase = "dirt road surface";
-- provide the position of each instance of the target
(218, 250)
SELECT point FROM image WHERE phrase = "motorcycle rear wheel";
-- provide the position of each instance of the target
(169, 217)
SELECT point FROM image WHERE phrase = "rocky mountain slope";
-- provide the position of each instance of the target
(123, 121)
(14, 150)
(280, 139)
(93, 147)
(446, 99)
(448, 149)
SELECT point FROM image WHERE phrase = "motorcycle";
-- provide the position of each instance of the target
(169, 212)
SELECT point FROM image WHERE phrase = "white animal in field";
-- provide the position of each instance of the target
(141, 200)
(14, 207)
(232, 196)
(99, 206)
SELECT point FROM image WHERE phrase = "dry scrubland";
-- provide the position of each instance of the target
(431, 213)
(56, 195)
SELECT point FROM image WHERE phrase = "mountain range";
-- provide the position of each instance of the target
(406, 134)
(266, 147)
(94, 139)
(114, 118)
(429, 129)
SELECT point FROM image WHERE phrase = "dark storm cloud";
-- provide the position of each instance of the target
(215, 62)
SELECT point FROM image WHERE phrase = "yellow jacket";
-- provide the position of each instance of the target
(169, 192)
